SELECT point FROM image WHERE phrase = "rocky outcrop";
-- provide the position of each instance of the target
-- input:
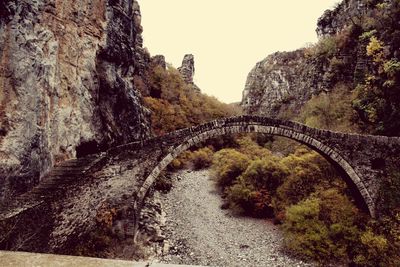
(187, 71)
(345, 13)
(159, 60)
(283, 81)
(187, 68)
(66, 83)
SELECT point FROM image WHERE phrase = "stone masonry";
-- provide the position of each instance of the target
(361, 159)
(63, 206)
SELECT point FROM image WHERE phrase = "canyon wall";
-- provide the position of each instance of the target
(66, 84)
(283, 82)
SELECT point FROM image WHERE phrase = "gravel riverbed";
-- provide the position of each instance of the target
(199, 232)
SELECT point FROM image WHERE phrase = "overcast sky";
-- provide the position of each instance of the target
(227, 37)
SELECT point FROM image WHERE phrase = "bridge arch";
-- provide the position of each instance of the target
(245, 124)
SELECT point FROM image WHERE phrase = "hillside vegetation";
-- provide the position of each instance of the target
(174, 104)
(365, 95)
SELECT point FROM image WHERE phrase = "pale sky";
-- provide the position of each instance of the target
(227, 37)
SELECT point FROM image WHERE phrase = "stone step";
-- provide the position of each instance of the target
(80, 161)
(53, 183)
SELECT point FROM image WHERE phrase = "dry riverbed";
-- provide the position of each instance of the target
(199, 232)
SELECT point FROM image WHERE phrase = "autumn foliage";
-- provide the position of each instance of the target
(177, 105)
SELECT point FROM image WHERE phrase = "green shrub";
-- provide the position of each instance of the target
(228, 164)
(307, 171)
(202, 158)
(373, 250)
(375, 49)
(266, 173)
(305, 234)
(239, 197)
(325, 47)
(367, 35)
(250, 148)
(322, 227)
(244, 198)
(182, 161)
(332, 111)
(392, 67)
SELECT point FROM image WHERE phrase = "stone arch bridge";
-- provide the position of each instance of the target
(361, 159)
(65, 204)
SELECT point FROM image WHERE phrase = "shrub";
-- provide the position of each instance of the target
(367, 35)
(307, 171)
(373, 250)
(392, 67)
(266, 173)
(239, 197)
(228, 164)
(322, 227)
(262, 203)
(246, 199)
(163, 183)
(375, 49)
(202, 158)
(332, 111)
(325, 47)
(250, 148)
(182, 161)
(176, 164)
(304, 233)
(387, 227)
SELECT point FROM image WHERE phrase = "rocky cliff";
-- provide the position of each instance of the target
(346, 12)
(66, 84)
(283, 82)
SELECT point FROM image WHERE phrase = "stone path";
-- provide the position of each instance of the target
(201, 233)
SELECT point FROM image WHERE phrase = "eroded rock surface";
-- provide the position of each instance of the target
(66, 83)
(282, 81)
(333, 21)
(187, 71)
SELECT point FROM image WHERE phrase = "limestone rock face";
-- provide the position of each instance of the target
(332, 21)
(159, 60)
(282, 81)
(187, 71)
(187, 68)
(66, 83)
